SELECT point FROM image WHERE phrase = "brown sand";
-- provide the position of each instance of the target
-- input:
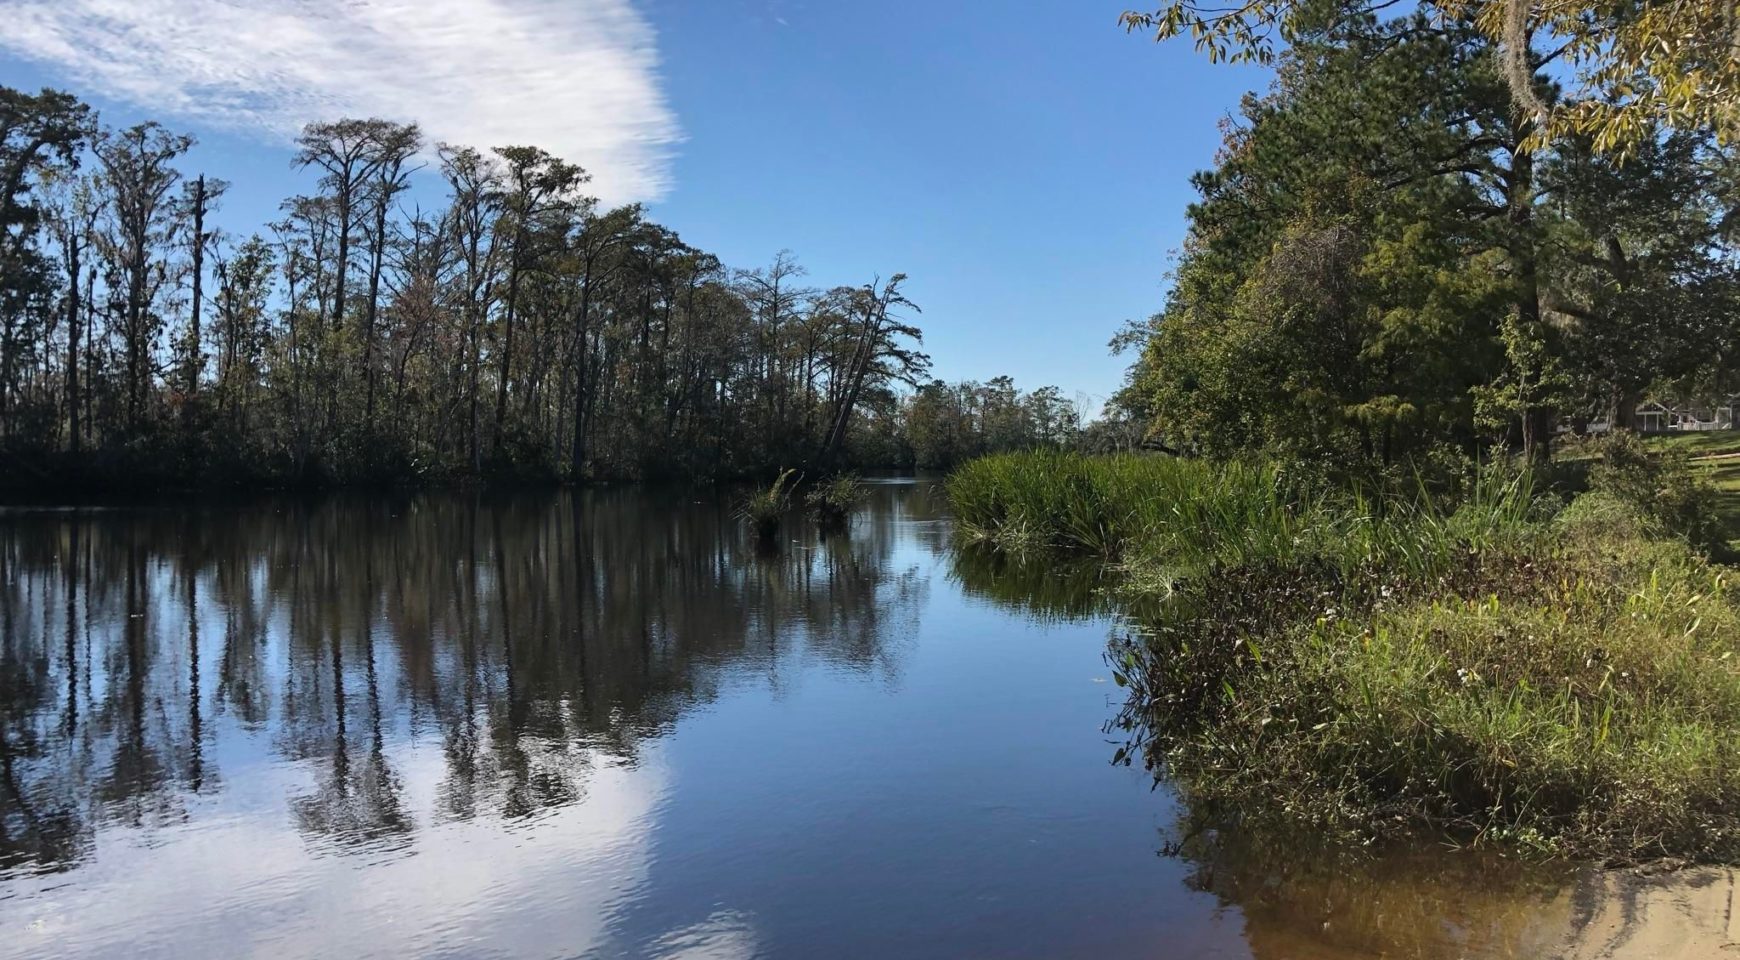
(1683, 915)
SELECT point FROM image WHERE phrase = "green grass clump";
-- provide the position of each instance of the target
(831, 502)
(1178, 517)
(1563, 679)
(1580, 698)
(764, 509)
(1109, 506)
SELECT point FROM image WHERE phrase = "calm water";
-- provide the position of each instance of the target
(602, 724)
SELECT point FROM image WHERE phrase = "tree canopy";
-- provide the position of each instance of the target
(1630, 68)
(1383, 262)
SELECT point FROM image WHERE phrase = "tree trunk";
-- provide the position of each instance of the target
(376, 256)
(195, 358)
(507, 345)
(1537, 417)
(577, 454)
(72, 342)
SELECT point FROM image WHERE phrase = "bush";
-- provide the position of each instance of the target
(1661, 485)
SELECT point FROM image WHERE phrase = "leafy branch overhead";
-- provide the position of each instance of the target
(1626, 69)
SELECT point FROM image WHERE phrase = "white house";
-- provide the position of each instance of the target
(1654, 416)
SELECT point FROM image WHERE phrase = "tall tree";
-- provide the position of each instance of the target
(475, 185)
(348, 153)
(539, 201)
(394, 145)
(39, 133)
(879, 352)
(138, 178)
(200, 195)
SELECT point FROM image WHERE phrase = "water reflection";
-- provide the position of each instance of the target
(604, 724)
(1044, 588)
(534, 638)
(1304, 899)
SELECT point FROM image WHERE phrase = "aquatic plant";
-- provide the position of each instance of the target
(764, 509)
(1187, 516)
(831, 502)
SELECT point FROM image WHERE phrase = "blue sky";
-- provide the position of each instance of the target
(1025, 162)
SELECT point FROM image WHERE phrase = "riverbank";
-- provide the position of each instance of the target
(108, 477)
(1497, 667)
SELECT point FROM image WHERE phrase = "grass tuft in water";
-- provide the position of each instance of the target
(764, 509)
(832, 501)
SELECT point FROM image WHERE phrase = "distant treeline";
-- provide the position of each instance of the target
(519, 329)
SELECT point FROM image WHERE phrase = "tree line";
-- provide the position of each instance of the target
(519, 328)
(1394, 262)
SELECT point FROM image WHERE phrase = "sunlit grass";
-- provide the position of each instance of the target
(1699, 443)
(831, 502)
(1566, 682)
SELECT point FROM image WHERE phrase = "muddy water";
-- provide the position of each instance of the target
(603, 724)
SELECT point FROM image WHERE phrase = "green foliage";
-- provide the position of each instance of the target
(1380, 263)
(1334, 301)
(950, 423)
(1374, 663)
(1661, 485)
(765, 509)
(831, 502)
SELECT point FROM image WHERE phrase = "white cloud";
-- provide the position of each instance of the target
(576, 77)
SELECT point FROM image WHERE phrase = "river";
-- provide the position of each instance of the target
(605, 724)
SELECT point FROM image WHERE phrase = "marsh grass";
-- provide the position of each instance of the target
(832, 501)
(764, 509)
(1494, 668)
(1184, 517)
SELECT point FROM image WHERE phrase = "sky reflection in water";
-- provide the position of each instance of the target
(588, 724)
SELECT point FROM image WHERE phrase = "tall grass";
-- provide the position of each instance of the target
(764, 509)
(1189, 516)
(1566, 680)
(831, 502)
(1107, 505)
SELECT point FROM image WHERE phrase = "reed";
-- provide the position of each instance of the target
(831, 502)
(764, 509)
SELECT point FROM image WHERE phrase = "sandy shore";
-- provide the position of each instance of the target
(1683, 915)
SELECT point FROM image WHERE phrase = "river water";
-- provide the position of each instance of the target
(606, 724)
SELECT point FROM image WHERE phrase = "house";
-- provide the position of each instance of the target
(1656, 417)
(1653, 416)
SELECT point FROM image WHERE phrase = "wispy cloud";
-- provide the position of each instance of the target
(576, 77)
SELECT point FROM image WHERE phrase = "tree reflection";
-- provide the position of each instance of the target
(531, 638)
(1045, 588)
(1304, 896)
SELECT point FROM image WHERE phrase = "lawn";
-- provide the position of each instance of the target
(1707, 443)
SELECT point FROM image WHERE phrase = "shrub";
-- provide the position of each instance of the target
(1662, 485)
